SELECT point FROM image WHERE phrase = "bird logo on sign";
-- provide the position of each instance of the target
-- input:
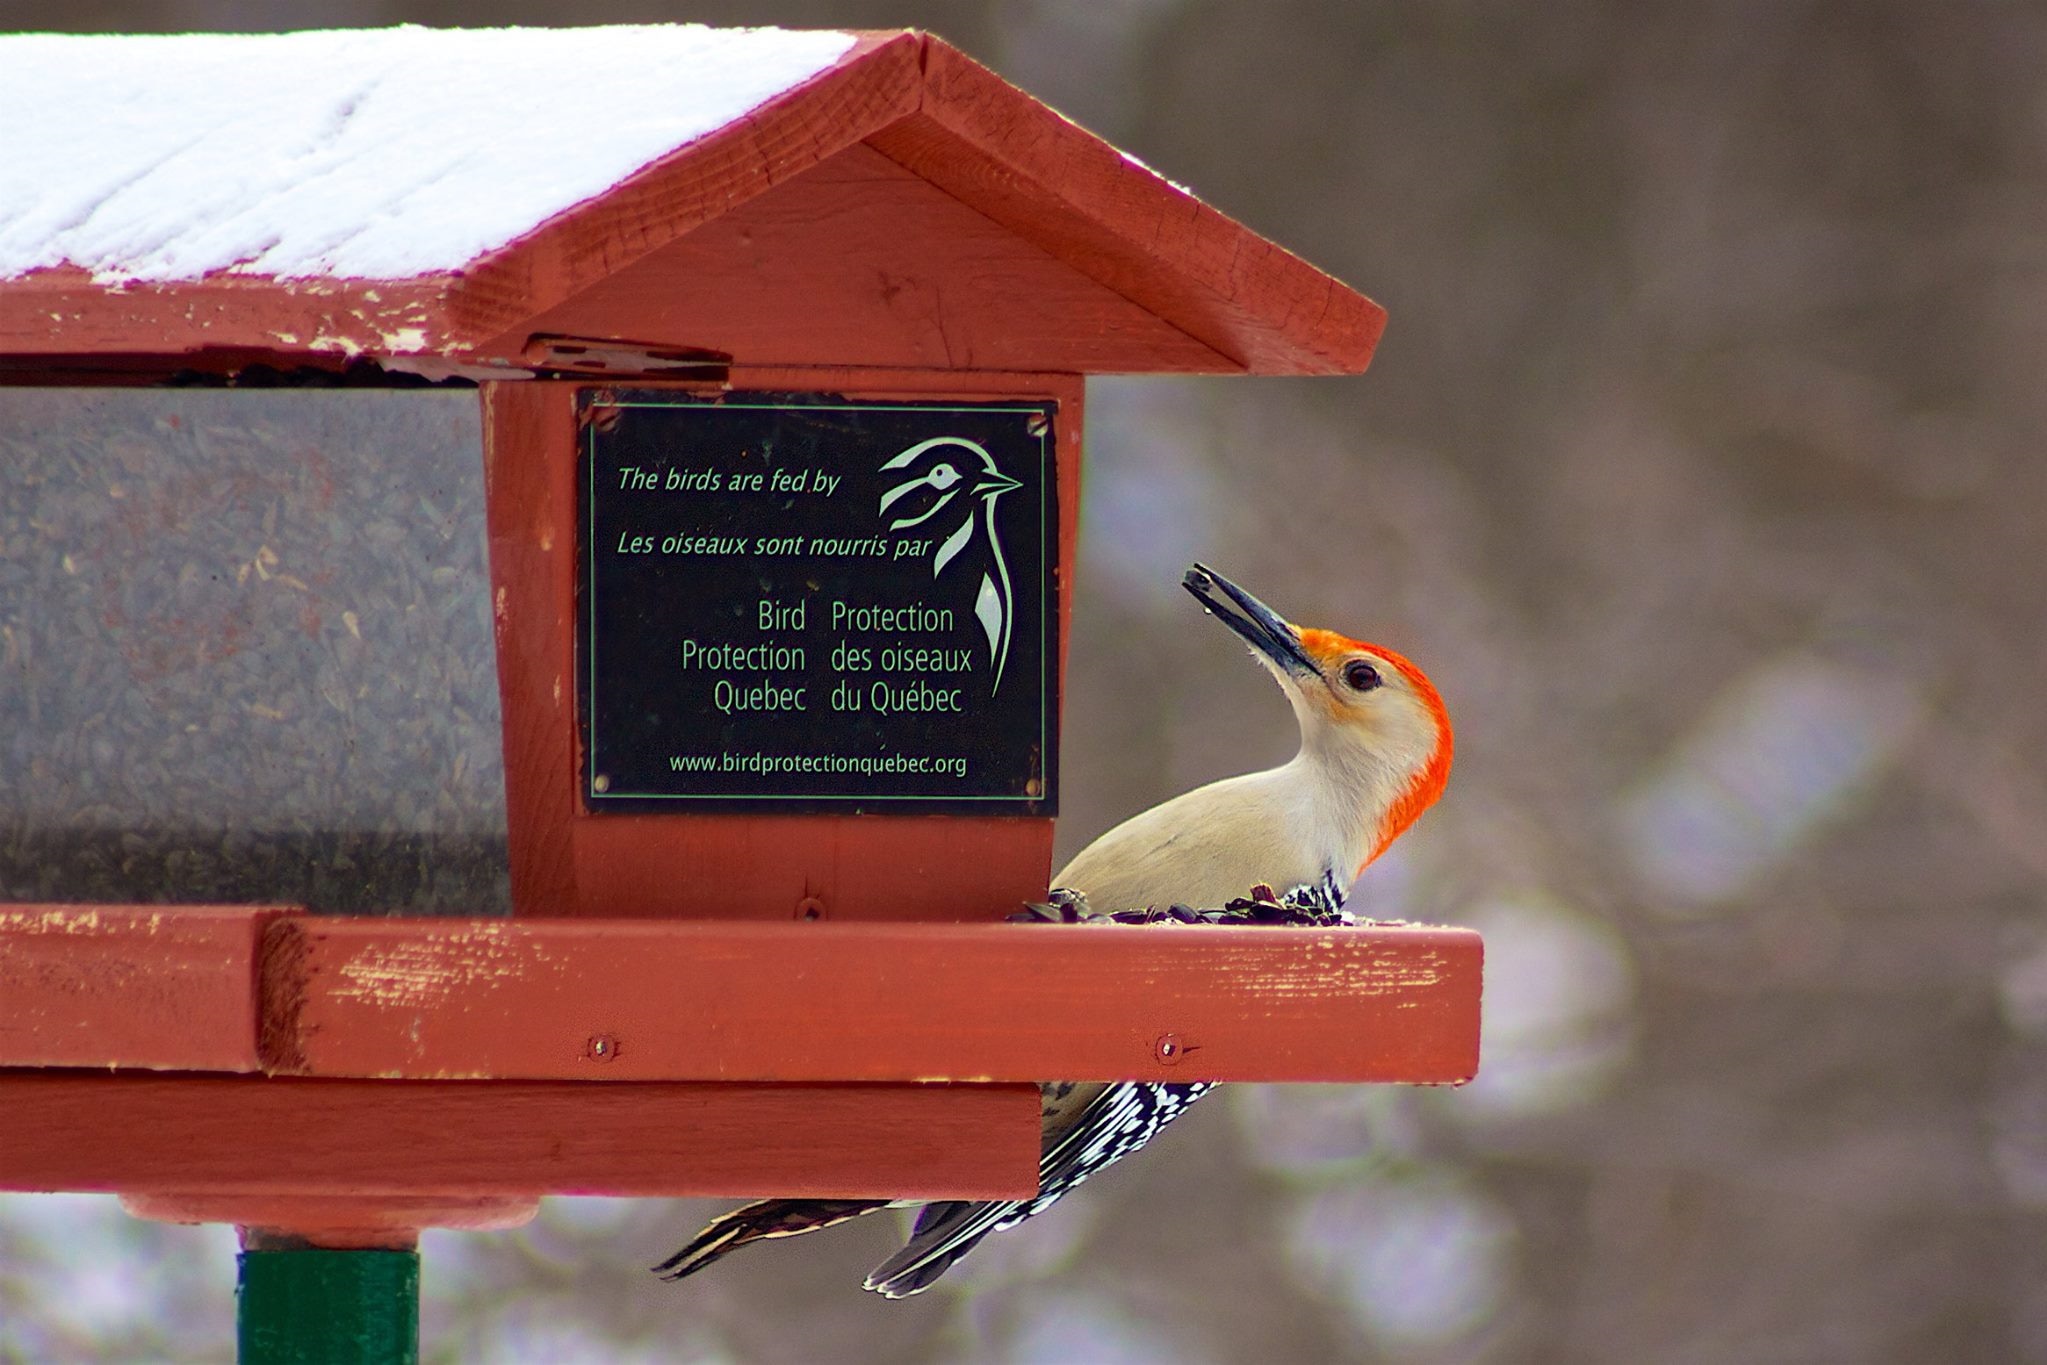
(953, 483)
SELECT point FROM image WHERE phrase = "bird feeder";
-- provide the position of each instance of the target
(778, 384)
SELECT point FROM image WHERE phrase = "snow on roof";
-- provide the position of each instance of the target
(366, 154)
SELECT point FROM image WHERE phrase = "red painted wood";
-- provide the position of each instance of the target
(235, 1135)
(566, 862)
(877, 82)
(63, 312)
(627, 1000)
(726, 243)
(335, 1221)
(529, 470)
(164, 987)
(860, 261)
(1029, 168)
(846, 867)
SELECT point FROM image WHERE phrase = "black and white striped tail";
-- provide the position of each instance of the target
(1119, 1121)
(763, 1220)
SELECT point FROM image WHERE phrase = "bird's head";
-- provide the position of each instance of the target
(934, 473)
(1369, 718)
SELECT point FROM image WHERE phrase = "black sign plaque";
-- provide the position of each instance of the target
(801, 602)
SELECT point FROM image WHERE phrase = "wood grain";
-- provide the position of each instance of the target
(65, 313)
(860, 262)
(625, 1000)
(529, 470)
(333, 1220)
(1084, 201)
(221, 1135)
(153, 986)
(879, 80)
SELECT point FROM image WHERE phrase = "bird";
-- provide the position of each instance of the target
(1375, 753)
(948, 466)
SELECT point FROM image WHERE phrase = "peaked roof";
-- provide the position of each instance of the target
(421, 195)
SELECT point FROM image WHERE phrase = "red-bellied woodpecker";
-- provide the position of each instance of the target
(1375, 753)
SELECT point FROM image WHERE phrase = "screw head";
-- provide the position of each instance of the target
(810, 907)
(602, 1047)
(1168, 1049)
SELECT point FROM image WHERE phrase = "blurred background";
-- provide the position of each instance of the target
(1701, 466)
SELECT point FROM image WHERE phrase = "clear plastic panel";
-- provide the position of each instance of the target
(245, 650)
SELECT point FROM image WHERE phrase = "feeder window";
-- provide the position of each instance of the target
(247, 650)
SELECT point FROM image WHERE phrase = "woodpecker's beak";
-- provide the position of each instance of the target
(995, 481)
(1265, 630)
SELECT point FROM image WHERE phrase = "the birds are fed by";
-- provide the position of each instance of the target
(1374, 754)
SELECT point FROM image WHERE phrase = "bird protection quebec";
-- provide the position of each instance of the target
(1375, 753)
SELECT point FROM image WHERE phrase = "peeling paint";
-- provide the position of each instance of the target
(346, 345)
(426, 975)
(66, 919)
(1331, 967)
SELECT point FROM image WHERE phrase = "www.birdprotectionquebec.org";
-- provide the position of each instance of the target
(756, 762)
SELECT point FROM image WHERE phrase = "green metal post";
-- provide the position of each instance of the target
(308, 1306)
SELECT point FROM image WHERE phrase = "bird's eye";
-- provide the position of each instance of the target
(944, 476)
(1360, 676)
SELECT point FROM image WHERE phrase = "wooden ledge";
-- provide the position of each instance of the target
(452, 1059)
(198, 1144)
(156, 986)
(706, 1000)
(653, 1000)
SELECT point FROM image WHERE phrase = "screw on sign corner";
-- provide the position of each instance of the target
(600, 406)
(810, 907)
(1170, 1048)
(602, 1047)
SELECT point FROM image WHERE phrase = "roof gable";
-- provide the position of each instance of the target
(860, 261)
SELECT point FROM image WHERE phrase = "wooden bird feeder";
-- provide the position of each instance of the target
(780, 419)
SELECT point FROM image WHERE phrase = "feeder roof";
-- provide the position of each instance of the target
(443, 196)
(365, 154)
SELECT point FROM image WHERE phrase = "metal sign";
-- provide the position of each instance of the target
(806, 602)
